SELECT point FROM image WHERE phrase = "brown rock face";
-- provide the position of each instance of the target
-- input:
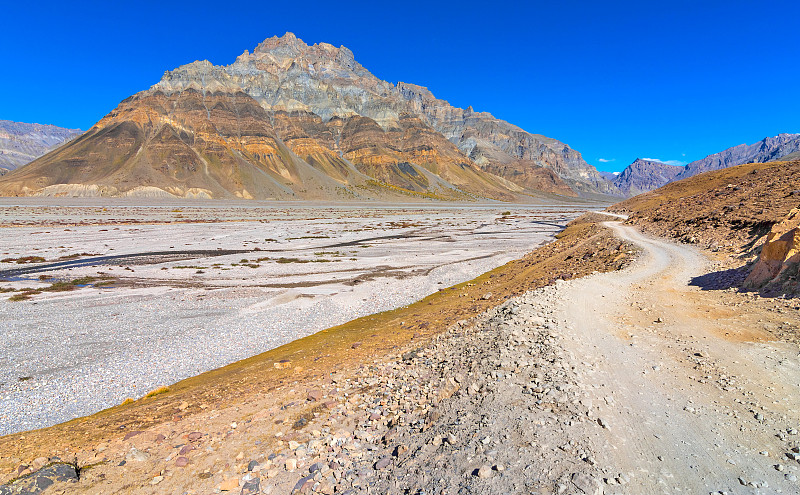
(780, 255)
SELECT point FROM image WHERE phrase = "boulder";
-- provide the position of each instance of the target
(779, 256)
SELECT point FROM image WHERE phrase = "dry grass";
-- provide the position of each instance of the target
(158, 391)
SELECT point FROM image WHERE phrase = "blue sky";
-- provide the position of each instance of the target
(615, 80)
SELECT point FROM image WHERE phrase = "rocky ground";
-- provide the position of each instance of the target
(625, 382)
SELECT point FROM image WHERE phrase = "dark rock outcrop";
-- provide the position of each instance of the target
(39, 481)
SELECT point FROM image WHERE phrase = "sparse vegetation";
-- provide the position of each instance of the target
(23, 260)
(160, 390)
(76, 255)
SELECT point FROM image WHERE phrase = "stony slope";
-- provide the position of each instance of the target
(306, 122)
(645, 175)
(21, 143)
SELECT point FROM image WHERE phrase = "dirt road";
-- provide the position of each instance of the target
(695, 397)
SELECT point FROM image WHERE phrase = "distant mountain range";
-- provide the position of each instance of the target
(293, 121)
(21, 143)
(647, 175)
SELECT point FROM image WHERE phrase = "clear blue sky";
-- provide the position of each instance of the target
(614, 80)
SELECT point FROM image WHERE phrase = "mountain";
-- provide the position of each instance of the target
(21, 143)
(645, 175)
(767, 150)
(609, 176)
(292, 121)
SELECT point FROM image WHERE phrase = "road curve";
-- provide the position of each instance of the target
(694, 399)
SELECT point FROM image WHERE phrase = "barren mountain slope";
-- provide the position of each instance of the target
(768, 149)
(21, 143)
(644, 175)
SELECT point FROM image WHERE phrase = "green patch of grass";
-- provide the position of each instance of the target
(76, 255)
(23, 296)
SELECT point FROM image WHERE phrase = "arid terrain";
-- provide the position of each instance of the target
(632, 381)
(608, 361)
(125, 299)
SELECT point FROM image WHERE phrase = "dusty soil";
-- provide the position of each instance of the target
(631, 381)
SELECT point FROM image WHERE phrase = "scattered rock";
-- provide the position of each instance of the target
(251, 487)
(587, 484)
(136, 455)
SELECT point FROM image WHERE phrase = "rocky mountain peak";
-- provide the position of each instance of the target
(287, 45)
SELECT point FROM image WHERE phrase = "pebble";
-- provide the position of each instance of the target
(136, 455)
(229, 485)
(485, 471)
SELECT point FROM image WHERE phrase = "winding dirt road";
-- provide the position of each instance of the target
(694, 396)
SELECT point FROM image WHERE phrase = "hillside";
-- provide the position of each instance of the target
(727, 209)
(647, 175)
(292, 121)
(21, 143)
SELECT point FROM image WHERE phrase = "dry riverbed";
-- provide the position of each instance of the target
(111, 301)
